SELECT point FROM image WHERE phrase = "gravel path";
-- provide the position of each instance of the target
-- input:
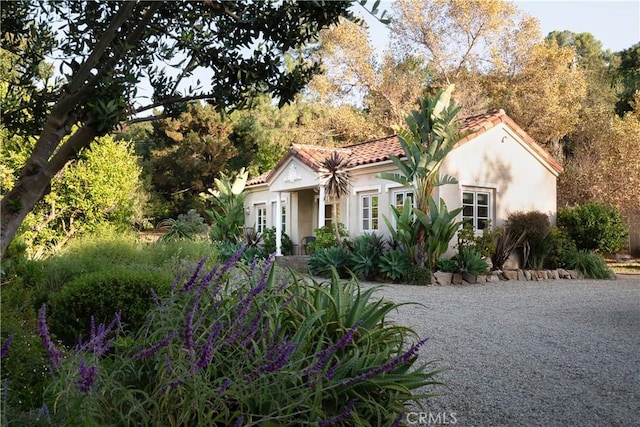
(553, 353)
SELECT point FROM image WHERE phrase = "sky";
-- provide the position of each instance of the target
(615, 23)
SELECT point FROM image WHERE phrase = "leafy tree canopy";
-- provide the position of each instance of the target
(103, 51)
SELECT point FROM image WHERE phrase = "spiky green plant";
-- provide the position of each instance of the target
(334, 177)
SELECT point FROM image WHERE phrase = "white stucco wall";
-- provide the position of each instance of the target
(500, 161)
(497, 161)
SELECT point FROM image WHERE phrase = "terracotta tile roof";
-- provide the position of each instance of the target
(379, 150)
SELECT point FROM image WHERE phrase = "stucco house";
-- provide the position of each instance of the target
(499, 168)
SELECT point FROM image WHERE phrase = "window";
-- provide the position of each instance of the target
(369, 212)
(399, 197)
(283, 215)
(328, 213)
(476, 208)
(261, 218)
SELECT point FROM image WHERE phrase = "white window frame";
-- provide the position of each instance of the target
(261, 218)
(475, 215)
(370, 220)
(405, 192)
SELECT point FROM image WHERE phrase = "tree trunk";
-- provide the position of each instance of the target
(35, 178)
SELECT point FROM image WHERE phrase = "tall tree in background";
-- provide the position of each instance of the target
(106, 49)
(495, 55)
(629, 76)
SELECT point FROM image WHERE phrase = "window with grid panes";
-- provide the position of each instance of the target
(476, 208)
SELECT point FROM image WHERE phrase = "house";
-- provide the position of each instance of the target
(499, 168)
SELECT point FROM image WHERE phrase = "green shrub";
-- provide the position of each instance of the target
(594, 227)
(326, 237)
(269, 242)
(252, 351)
(103, 293)
(394, 264)
(447, 265)
(420, 276)
(483, 243)
(592, 266)
(365, 255)
(563, 252)
(323, 260)
(471, 261)
(188, 226)
(536, 227)
(25, 366)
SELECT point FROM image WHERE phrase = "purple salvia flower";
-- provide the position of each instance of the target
(388, 366)
(232, 261)
(323, 357)
(279, 361)
(148, 352)
(189, 285)
(224, 386)
(238, 422)
(88, 376)
(339, 418)
(399, 418)
(188, 332)
(206, 352)
(55, 355)
(98, 344)
(253, 327)
(209, 277)
(154, 297)
(4, 351)
(331, 372)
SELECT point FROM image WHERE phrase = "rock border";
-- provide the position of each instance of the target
(464, 278)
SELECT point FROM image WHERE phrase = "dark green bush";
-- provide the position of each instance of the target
(563, 252)
(447, 265)
(592, 266)
(101, 294)
(394, 264)
(323, 260)
(471, 261)
(594, 227)
(269, 242)
(365, 255)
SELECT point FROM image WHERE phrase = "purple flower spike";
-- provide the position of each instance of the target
(224, 386)
(88, 376)
(4, 351)
(340, 418)
(189, 285)
(55, 355)
(148, 352)
(323, 357)
(239, 422)
(232, 261)
(388, 366)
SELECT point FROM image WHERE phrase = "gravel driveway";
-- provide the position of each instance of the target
(553, 353)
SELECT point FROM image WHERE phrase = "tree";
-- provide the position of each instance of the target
(431, 133)
(109, 48)
(495, 55)
(100, 189)
(335, 179)
(629, 75)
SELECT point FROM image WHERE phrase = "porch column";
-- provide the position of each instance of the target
(321, 208)
(278, 220)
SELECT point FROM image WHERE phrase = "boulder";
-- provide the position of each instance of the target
(510, 274)
(521, 275)
(442, 278)
(456, 279)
